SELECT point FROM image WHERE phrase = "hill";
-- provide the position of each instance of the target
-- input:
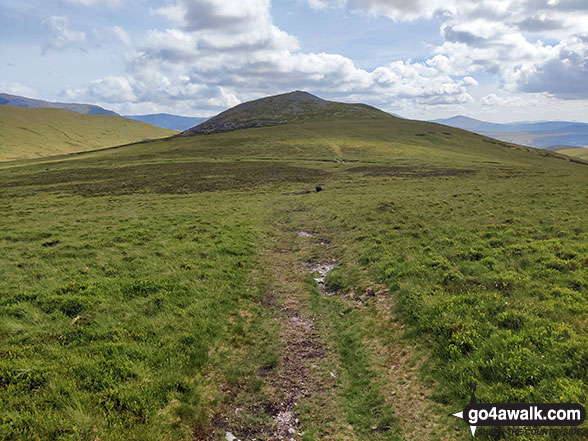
(20, 101)
(167, 121)
(37, 132)
(543, 134)
(281, 109)
(577, 152)
(200, 287)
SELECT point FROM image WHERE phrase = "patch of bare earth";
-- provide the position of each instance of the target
(300, 374)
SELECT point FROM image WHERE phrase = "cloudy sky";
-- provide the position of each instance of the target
(499, 60)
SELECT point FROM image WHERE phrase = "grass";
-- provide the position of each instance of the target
(132, 294)
(38, 132)
(109, 315)
(581, 153)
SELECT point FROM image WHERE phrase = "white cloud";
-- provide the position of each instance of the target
(93, 2)
(111, 90)
(394, 9)
(122, 35)
(508, 101)
(61, 36)
(17, 89)
(506, 38)
(221, 52)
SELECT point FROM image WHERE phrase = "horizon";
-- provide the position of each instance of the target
(417, 119)
(496, 62)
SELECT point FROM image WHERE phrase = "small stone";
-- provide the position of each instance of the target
(230, 437)
(292, 431)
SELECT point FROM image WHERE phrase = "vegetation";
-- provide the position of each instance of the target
(140, 289)
(38, 132)
(577, 152)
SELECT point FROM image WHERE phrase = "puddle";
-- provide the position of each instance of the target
(323, 269)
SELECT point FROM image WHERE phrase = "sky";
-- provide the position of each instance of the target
(496, 60)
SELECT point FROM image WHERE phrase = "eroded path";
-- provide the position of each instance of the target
(335, 377)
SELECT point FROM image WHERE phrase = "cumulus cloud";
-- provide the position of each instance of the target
(106, 90)
(93, 2)
(17, 89)
(61, 37)
(506, 38)
(493, 100)
(217, 53)
(394, 9)
(564, 74)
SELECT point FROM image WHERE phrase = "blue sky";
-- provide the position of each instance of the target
(499, 60)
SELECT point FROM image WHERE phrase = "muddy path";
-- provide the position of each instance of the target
(303, 392)
(304, 371)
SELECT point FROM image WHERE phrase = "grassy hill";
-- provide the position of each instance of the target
(192, 286)
(37, 132)
(581, 153)
(290, 107)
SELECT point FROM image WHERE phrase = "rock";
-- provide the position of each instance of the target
(230, 437)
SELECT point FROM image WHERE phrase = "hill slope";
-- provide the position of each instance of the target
(578, 152)
(280, 109)
(36, 132)
(168, 289)
(20, 101)
(167, 121)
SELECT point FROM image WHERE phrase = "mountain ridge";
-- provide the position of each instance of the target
(168, 121)
(539, 134)
(21, 101)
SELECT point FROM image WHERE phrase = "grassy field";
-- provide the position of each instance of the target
(166, 290)
(581, 153)
(36, 132)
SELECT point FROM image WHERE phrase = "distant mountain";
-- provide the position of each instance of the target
(470, 124)
(20, 101)
(280, 109)
(167, 121)
(540, 134)
(38, 132)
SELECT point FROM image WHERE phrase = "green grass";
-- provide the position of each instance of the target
(131, 297)
(110, 309)
(38, 132)
(581, 153)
